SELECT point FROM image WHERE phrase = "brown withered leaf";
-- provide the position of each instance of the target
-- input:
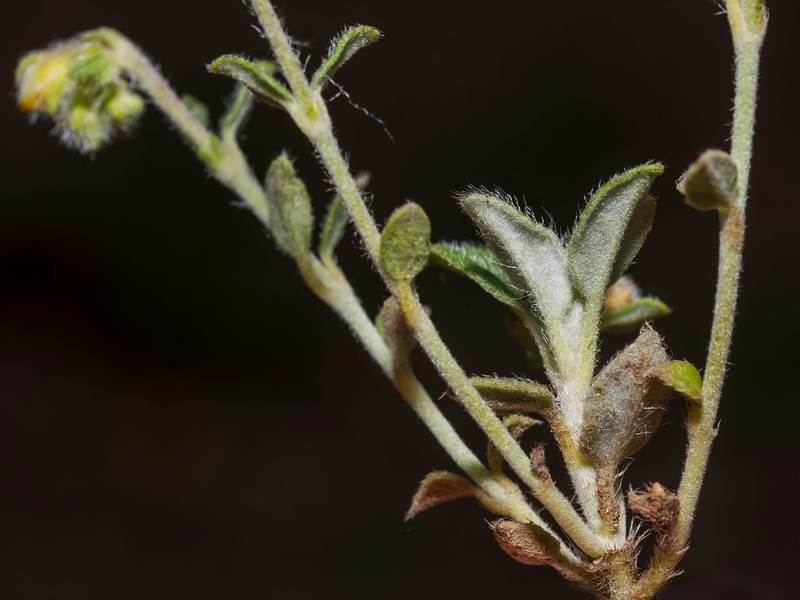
(623, 409)
(437, 488)
(538, 465)
(526, 543)
(658, 505)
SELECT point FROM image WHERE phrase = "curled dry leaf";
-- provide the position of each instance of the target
(525, 542)
(437, 488)
(656, 504)
(538, 464)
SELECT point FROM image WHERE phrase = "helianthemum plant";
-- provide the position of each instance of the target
(561, 293)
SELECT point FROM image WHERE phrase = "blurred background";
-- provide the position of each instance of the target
(181, 418)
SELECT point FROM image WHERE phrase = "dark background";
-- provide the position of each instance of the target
(180, 418)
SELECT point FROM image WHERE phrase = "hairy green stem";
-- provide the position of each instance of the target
(544, 490)
(748, 27)
(312, 118)
(284, 53)
(337, 293)
(225, 161)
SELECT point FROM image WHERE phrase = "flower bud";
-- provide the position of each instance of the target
(80, 86)
(40, 77)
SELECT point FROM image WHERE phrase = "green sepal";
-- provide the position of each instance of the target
(610, 231)
(633, 315)
(290, 202)
(710, 183)
(406, 243)
(92, 64)
(479, 264)
(532, 256)
(198, 108)
(682, 377)
(256, 77)
(514, 396)
(342, 49)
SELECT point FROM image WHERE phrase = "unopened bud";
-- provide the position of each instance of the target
(80, 85)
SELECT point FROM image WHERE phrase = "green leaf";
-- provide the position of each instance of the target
(514, 396)
(256, 77)
(623, 410)
(336, 221)
(710, 183)
(611, 230)
(633, 315)
(406, 242)
(239, 108)
(289, 200)
(531, 254)
(342, 49)
(681, 376)
(198, 108)
(479, 264)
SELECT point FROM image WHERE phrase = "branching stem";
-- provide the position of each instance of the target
(748, 22)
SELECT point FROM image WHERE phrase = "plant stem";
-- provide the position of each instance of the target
(748, 36)
(225, 161)
(282, 47)
(315, 123)
(335, 291)
(544, 490)
(228, 165)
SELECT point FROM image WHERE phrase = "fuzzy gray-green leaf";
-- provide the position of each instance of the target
(611, 230)
(479, 264)
(710, 183)
(406, 242)
(514, 396)
(256, 77)
(342, 49)
(633, 315)
(531, 254)
(289, 200)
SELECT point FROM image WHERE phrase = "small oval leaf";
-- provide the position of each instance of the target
(256, 77)
(289, 199)
(682, 377)
(342, 49)
(710, 183)
(406, 242)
